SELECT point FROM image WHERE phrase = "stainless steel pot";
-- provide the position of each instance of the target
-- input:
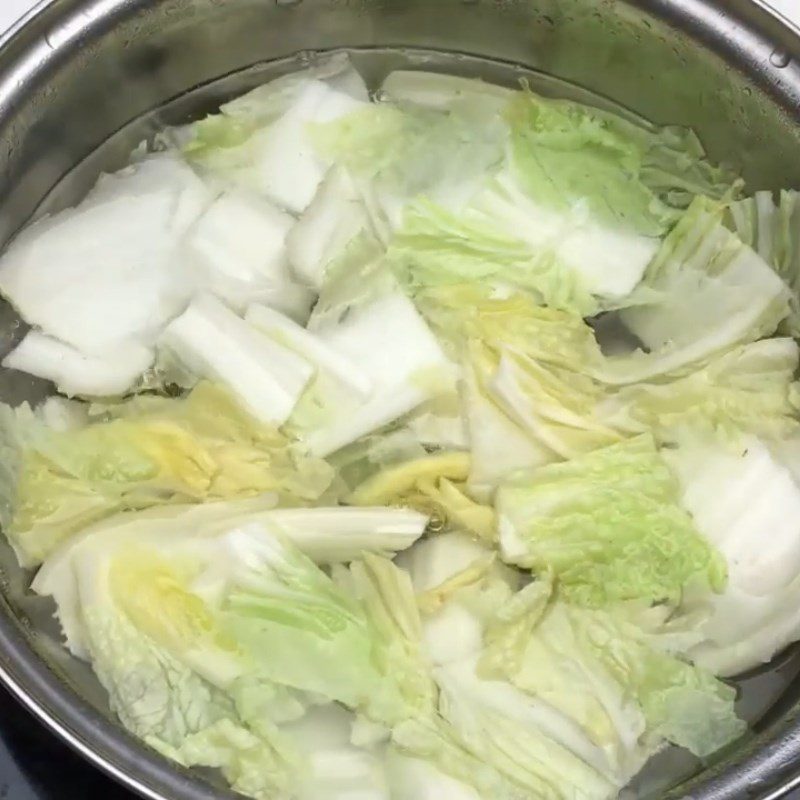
(82, 81)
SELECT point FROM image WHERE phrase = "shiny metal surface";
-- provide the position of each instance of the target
(82, 81)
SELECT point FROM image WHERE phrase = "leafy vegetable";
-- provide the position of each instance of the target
(171, 670)
(418, 779)
(631, 178)
(210, 341)
(109, 265)
(535, 749)
(509, 319)
(609, 526)
(242, 608)
(328, 225)
(261, 141)
(144, 453)
(499, 444)
(391, 343)
(335, 769)
(407, 690)
(750, 388)
(238, 250)
(436, 247)
(75, 373)
(619, 683)
(772, 229)
(737, 493)
(339, 385)
(428, 485)
(407, 151)
(438, 90)
(556, 406)
(327, 535)
(304, 631)
(715, 293)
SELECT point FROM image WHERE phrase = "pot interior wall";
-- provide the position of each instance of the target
(88, 81)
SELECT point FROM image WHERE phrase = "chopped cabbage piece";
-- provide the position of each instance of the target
(141, 453)
(738, 494)
(107, 274)
(713, 292)
(238, 251)
(393, 346)
(212, 342)
(261, 141)
(75, 373)
(609, 526)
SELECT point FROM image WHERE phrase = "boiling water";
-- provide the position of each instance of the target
(765, 694)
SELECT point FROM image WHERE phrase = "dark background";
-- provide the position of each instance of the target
(35, 765)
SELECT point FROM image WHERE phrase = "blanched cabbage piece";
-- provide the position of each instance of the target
(141, 453)
(211, 341)
(557, 407)
(261, 140)
(569, 411)
(440, 91)
(390, 342)
(407, 690)
(74, 372)
(745, 498)
(437, 743)
(595, 691)
(237, 250)
(773, 231)
(418, 779)
(602, 261)
(339, 383)
(432, 168)
(442, 569)
(475, 737)
(312, 347)
(336, 769)
(500, 445)
(477, 324)
(521, 178)
(371, 368)
(328, 225)
(107, 274)
(555, 665)
(326, 535)
(303, 630)
(441, 423)
(713, 293)
(624, 173)
(504, 317)
(400, 152)
(243, 608)
(612, 672)
(749, 388)
(571, 209)
(437, 247)
(585, 660)
(173, 673)
(609, 526)
(434, 484)
(536, 749)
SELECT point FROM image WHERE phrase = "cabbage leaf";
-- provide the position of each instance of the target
(142, 453)
(609, 526)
